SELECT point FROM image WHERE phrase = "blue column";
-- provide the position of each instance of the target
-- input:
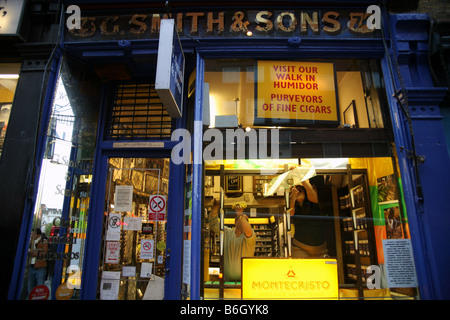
(197, 176)
(422, 151)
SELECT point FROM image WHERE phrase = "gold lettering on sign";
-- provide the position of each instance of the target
(104, 26)
(211, 21)
(195, 16)
(292, 23)
(156, 23)
(218, 23)
(331, 26)
(261, 19)
(138, 20)
(87, 29)
(356, 23)
(312, 22)
(180, 22)
(239, 25)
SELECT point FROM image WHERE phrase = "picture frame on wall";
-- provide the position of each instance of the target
(351, 116)
(233, 184)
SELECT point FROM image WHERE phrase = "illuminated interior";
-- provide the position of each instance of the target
(9, 75)
(359, 199)
(231, 91)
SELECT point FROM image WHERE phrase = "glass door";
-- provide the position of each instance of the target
(133, 254)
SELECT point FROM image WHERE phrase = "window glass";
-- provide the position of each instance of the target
(343, 220)
(346, 229)
(61, 210)
(133, 255)
(254, 93)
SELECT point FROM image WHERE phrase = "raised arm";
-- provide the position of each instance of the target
(311, 193)
(244, 225)
(214, 222)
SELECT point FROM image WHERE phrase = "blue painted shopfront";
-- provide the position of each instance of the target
(401, 47)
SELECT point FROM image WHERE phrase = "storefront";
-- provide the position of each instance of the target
(132, 170)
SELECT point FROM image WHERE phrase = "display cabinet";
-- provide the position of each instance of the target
(357, 230)
(265, 230)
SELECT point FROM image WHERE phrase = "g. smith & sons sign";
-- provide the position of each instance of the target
(231, 24)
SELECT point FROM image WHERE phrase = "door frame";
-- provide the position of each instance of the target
(89, 281)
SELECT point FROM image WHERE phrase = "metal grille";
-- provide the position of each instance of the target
(136, 112)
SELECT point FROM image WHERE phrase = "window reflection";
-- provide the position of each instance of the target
(62, 203)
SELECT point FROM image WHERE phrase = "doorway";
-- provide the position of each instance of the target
(133, 251)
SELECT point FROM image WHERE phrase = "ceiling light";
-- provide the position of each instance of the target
(9, 76)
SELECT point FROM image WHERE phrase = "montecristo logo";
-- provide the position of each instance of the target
(290, 279)
(291, 274)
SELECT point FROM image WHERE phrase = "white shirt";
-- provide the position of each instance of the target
(235, 248)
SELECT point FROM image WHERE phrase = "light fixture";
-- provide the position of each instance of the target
(9, 76)
(249, 33)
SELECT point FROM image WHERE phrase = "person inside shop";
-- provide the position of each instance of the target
(239, 241)
(309, 226)
(38, 267)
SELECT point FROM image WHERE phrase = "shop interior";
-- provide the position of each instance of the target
(359, 193)
(355, 197)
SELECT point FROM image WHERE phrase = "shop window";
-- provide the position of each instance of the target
(9, 75)
(56, 248)
(354, 243)
(136, 112)
(256, 93)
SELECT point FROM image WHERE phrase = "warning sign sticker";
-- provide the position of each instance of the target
(157, 208)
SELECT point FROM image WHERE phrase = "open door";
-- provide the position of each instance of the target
(133, 255)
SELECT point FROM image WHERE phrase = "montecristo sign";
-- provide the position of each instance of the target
(289, 279)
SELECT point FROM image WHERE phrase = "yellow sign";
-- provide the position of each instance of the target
(296, 90)
(289, 279)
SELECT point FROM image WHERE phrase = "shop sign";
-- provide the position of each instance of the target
(10, 17)
(262, 23)
(289, 279)
(170, 69)
(300, 91)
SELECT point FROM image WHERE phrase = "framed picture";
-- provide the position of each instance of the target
(350, 115)
(393, 221)
(233, 184)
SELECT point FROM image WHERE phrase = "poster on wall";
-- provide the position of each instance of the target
(387, 188)
(293, 93)
(399, 261)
